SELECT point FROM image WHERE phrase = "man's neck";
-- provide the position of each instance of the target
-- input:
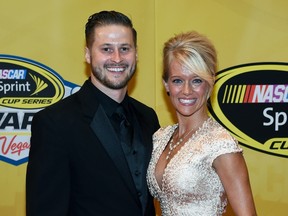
(115, 94)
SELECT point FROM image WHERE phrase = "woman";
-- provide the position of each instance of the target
(196, 164)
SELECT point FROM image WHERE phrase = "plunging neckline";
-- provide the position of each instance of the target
(175, 156)
(160, 186)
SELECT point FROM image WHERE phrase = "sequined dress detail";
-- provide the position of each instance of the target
(190, 185)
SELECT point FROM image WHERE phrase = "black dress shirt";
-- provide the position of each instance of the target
(135, 153)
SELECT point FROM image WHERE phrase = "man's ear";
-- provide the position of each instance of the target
(87, 55)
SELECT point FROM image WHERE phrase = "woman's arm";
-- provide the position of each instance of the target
(233, 173)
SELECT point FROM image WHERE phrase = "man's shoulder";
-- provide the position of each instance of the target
(140, 105)
(145, 112)
(62, 107)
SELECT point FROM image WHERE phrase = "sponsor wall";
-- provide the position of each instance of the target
(42, 61)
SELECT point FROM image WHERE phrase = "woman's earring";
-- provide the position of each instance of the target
(168, 93)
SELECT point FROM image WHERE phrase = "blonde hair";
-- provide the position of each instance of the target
(195, 52)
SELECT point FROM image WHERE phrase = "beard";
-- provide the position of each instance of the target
(100, 75)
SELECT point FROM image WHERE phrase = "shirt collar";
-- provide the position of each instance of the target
(108, 103)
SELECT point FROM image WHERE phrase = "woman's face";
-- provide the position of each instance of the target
(188, 92)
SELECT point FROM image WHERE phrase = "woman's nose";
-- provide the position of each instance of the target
(187, 88)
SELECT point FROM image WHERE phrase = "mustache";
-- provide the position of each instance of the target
(116, 65)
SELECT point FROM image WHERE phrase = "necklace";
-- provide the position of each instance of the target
(172, 147)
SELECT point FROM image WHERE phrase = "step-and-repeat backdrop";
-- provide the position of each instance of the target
(42, 61)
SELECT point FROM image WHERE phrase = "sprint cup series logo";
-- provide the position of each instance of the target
(251, 101)
(25, 87)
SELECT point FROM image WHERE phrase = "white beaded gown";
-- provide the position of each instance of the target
(190, 185)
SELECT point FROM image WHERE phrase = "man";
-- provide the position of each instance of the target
(78, 164)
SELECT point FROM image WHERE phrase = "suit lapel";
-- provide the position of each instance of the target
(144, 129)
(103, 129)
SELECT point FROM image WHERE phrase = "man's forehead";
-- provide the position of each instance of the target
(113, 33)
(113, 30)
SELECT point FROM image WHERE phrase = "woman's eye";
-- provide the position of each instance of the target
(197, 81)
(177, 81)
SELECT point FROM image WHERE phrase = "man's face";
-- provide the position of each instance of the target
(112, 56)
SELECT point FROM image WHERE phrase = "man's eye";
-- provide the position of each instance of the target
(107, 49)
(125, 49)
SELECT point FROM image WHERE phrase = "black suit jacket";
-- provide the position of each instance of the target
(75, 167)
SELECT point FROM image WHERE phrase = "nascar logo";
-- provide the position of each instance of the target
(251, 102)
(26, 87)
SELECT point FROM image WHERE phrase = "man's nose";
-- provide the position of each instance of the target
(116, 56)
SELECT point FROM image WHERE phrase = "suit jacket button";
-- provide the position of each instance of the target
(137, 173)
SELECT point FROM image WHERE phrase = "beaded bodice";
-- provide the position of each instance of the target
(190, 185)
